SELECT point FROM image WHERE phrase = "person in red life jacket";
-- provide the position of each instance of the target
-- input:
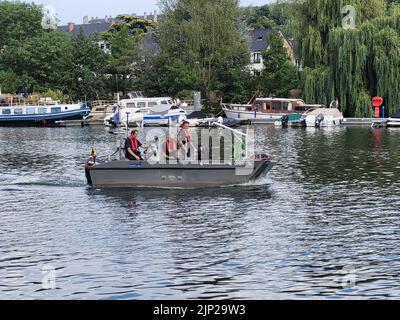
(133, 145)
(169, 150)
(185, 141)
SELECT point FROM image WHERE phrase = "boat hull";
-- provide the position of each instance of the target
(118, 174)
(327, 122)
(393, 122)
(42, 120)
(247, 115)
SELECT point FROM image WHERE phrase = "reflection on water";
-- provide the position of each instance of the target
(324, 224)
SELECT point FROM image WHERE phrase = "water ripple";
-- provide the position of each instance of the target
(327, 213)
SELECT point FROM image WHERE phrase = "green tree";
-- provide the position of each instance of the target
(85, 76)
(39, 60)
(205, 36)
(19, 22)
(9, 81)
(164, 75)
(123, 42)
(279, 75)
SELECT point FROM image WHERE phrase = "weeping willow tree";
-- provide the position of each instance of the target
(349, 54)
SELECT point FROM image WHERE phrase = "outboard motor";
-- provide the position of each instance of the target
(318, 120)
(285, 121)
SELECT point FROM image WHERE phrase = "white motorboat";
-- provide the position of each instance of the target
(394, 121)
(132, 117)
(323, 117)
(133, 109)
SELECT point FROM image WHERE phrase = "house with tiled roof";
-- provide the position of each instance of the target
(101, 25)
(259, 42)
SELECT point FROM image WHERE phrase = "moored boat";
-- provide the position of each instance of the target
(323, 117)
(291, 120)
(133, 109)
(266, 108)
(46, 114)
(394, 121)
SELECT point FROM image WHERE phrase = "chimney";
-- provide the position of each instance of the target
(85, 20)
(71, 26)
(155, 16)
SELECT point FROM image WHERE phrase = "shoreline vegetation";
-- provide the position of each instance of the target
(347, 50)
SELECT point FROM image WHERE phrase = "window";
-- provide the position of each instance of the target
(276, 105)
(164, 102)
(285, 106)
(30, 111)
(131, 105)
(152, 104)
(18, 111)
(6, 111)
(257, 57)
(141, 104)
(42, 110)
(55, 110)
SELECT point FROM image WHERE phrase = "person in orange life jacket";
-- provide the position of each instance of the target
(185, 141)
(133, 145)
(169, 150)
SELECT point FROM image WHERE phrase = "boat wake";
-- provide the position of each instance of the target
(47, 181)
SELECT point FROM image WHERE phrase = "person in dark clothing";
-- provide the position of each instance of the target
(133, 145)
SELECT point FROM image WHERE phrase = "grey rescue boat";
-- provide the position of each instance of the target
(124, 173)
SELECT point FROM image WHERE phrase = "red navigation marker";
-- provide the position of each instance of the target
(377, 102)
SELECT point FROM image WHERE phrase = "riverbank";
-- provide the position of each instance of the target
(346, 122)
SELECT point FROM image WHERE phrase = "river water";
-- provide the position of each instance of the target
(324, 224)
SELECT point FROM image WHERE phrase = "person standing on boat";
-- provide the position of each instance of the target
(185, 141)
(169, 150)
(133, 145)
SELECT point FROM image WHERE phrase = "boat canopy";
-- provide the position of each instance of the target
(325, 111)
(293, 117)
(160, 109)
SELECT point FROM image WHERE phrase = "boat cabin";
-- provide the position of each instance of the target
(145, 102)
(277, 105)
(37, 110)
